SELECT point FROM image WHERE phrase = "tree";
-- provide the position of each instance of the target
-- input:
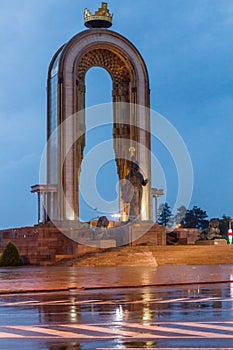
(10, 256)
(224, 226)
(195, 218)
(165, 216)
(178, 218)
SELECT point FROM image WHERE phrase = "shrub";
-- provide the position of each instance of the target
(10, 256)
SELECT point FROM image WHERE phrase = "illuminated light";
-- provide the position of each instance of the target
(71, 215)
(124, 217)
(143, 212)
(116, 215)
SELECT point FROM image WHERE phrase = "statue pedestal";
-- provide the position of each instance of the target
(102, 243)
(220, 242)
(147, 233)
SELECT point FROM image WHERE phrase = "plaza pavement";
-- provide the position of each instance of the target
(63, 278)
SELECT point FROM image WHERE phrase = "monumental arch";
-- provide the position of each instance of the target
(95, 47)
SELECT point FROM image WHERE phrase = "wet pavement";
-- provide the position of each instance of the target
(181, 307)
(197, 316)
(27, 279)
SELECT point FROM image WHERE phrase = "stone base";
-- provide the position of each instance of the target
(182, 236)
(102, 243)
(148, 235)
(190, 234)
(107, 243)
(220, 242)
(39, 245)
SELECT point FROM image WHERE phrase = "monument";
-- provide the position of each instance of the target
(59, 231)
(55, 235)
(101, 47)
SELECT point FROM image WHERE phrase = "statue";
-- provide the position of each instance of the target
(100, 232)
(103, 10)
(213, 231)
(87, 13)
(132, 190)
(102, 222)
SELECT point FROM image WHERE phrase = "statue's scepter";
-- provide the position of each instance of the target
(132, 151)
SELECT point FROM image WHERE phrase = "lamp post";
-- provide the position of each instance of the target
(156, 193)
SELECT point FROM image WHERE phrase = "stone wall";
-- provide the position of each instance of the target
(44, 244)
(187, 235)
(155, 235)
(39, 244)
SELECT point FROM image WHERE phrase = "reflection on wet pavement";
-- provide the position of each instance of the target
(64, 278)
(197, 316)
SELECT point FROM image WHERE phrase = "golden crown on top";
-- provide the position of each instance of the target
(101, 18)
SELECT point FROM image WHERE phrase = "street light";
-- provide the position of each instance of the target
(156, 193)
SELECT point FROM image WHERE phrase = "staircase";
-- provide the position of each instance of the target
(160, 256)
(193, 255)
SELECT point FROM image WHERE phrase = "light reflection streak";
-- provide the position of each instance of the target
(146, 312)
(73, 314)
(119, 314)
